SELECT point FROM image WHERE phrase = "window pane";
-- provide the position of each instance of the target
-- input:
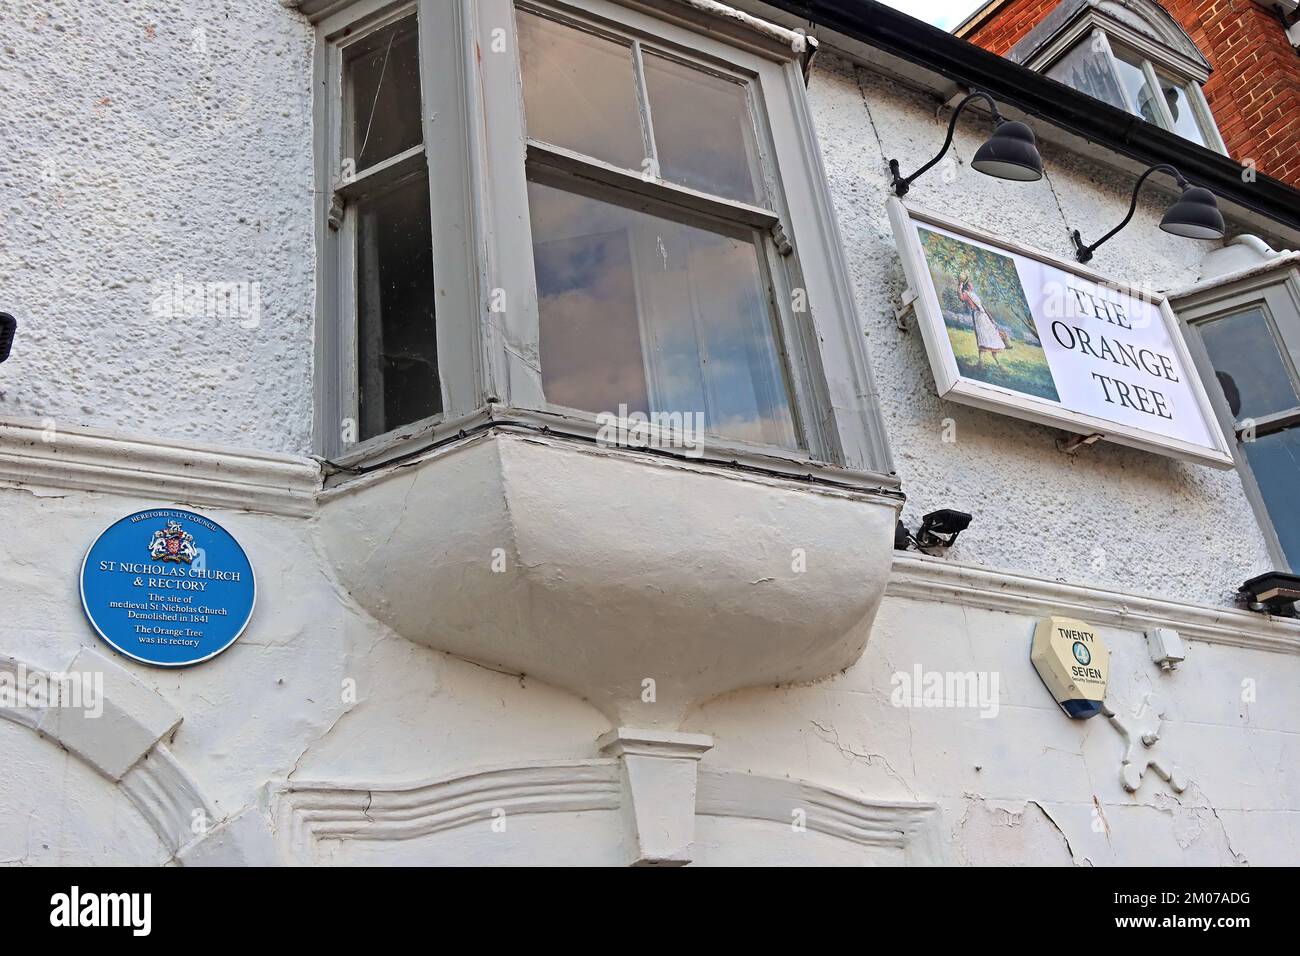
(383, 76)
(1178, 99)
(397, 350)
(580, 92)
(1249, 365)
(1275, 460)
(1134, 80)
(658, 316)
(1088, 70)
(703, 131)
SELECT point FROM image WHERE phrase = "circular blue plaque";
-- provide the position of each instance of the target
(167, 587)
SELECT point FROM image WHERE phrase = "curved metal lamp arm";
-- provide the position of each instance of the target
(902, 183)
(1084, 253)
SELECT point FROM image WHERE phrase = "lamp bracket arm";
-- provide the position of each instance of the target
(902, 182)
(1132, 208)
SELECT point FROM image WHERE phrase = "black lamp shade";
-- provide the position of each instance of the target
(1010, 153)
(1195, 216)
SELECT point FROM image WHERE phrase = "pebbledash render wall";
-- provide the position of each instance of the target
(114, 183)
(322, 736)
(148, 144)
(1254, 91)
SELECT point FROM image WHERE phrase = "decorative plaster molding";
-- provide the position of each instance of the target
(311, 812)
(123, 744)
(935, 579)
(36, 457)
(659, 782)
(121, 729)
(1144, 727)
(168, 798)
(243, 839)
(667, 744)
(913, 828)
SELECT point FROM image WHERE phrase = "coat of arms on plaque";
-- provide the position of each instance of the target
(172, 543)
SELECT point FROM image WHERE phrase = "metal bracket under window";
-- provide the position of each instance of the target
(783, 244)
(337, 208)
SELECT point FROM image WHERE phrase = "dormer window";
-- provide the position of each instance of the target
(1124, 78)
(1133, 56)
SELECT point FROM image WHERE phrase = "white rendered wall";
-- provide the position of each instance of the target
(159, 140)
(1023, 785)
(142, 142)
(130, 155)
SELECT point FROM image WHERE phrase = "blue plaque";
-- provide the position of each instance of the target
(167, 587)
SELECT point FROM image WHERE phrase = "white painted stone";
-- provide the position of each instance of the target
(133, 718)
(352, 692)
(243, 840)
(659, 782)
(643, 587)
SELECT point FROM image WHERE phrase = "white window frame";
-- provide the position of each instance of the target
(478, 155)
(446, 155)
(1156, 58)
(554, 165)
(1276, 294)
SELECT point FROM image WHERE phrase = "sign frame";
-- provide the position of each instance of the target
(904, 218)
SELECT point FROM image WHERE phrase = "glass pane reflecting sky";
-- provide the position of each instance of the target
(1248, 364)
(703, 130)
(1275, 460)
(656, 315)
(580, 92)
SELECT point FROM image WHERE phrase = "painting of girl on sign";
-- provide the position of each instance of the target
(990, 327)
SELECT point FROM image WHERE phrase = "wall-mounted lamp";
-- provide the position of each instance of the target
(8, 326)
(1010, 153)
(1194, 216)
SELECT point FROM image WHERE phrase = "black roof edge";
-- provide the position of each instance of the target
(962, 62)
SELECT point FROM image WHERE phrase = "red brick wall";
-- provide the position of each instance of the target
(1000, 32)
(1254, 91)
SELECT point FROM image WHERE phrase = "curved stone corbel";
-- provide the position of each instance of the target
(642, 584)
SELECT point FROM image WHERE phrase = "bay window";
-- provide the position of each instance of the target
(555, 214)
(1133, 56)
(657, 301)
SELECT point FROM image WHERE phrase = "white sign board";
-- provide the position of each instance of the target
(1026, 334)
